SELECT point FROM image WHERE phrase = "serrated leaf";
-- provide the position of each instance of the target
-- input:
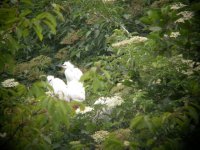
(51, 26)
(107, 75)
(47, 139)
(29, 2)
(86, 76)
(51, 18)
(38, 29)
(25, 12)
(136, 121)
(155, 28)
(59, 14)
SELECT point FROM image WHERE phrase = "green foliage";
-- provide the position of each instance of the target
(33, 69)
(145, 52)
(113, 143)
(33, 118)
(17, 22)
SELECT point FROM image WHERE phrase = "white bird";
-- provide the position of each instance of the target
(71, 72)
(76, 91)
(59, 87)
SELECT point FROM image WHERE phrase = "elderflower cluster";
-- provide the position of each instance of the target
(177, 6)
(192, 66)
(126, 143)
(110, 102)
(134, 39)
(3, 135)
(75, 142)
(158, 81)
(9, 83)
(100, 136)
(50, 93)
(86, 110)
(107, 1)
(186, 15)
(174, 34)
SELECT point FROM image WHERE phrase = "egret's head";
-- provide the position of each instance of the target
(67, 64)
(50, 78)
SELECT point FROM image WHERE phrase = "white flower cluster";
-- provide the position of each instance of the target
(86, 110)
(158, 81)
(50, 93)
(189, 63)
(126, 143)
(75, 142)
(186, 15)
(107, 1)
(9, 83)
(174, 34)
(134, 39)
(3, 135)
(110, 102)
(100, 136)
(177, 6)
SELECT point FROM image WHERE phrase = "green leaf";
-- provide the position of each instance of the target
(29, 2)
(136, 121)
(59, 14)
(38, 29)
(106, 73)
(51, 18)
(148, 123)
(47, 139)
(165, 116)
(86, 76)
(25, 12)
(51, 26)
(193, 114)
(155, 28)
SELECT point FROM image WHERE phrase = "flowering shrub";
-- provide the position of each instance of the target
(9, 83)
(99, 136)
(141, 77)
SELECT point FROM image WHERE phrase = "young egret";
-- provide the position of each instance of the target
(71, 72)
(76, 91)
(59, 87)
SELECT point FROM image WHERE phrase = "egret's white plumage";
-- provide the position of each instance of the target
(76, 90)
(59, 87)
(71, 72)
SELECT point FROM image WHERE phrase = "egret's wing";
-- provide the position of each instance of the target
(77, 73)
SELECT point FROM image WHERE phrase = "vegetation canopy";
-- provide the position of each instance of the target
(141, 73)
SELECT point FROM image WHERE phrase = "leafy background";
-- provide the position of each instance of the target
(158, 79)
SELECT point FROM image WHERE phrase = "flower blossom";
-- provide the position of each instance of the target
(3, 135)
(186, 15)
(50, 93)
(9, 83)
(86, 110)
(158, 81)
(177, 6)
(126, 143)
(134, 39)
(110, 102)
(174, 34)
(100, 136)
(107, 1)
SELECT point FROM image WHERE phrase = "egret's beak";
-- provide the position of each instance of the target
(59, 65)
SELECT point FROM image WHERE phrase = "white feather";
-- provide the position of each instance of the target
(76, 90)
(59, 87)
(71, 72)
